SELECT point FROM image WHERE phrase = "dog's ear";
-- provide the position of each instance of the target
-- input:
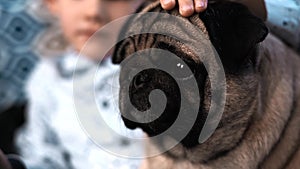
(122, 47)
(120, 51)
(235, 32)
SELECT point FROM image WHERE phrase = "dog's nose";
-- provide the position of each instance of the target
(140, 79)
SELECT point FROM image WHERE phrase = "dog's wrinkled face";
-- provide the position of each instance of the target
(148, 80)
(235, 33)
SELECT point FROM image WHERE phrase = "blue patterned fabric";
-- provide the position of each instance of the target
(284, 20)
(12, 5)
(18, 31)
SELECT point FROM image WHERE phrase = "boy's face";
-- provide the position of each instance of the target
(79, 19)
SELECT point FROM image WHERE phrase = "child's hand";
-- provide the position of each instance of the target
(186, 7)
(4, 164)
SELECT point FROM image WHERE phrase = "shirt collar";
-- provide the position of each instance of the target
(72, 63)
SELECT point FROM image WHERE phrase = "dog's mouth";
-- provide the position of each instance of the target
(167, 122)
(140, 112)
(160, 127)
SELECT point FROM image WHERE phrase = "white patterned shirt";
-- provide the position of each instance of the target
(63, 131)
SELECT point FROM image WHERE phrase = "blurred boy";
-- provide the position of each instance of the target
(53, 137)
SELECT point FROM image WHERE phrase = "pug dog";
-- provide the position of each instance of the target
(259, 127)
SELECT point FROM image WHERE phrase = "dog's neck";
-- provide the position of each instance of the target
(253, 151)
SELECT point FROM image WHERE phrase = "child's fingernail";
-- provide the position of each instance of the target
(186, 9)
(167, 2)
(200, 4)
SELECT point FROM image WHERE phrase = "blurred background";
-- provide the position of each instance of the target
(25, 34)
(284, 20)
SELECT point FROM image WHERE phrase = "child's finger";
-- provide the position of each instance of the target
(167, 4)
(200, 5)
(186, 7)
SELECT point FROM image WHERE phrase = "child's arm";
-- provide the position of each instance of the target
(4, 164)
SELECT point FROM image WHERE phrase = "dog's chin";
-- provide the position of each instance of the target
(129, 124)
(152, 130)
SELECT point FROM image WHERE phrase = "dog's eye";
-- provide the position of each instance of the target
(178, 68)
(181, 70)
